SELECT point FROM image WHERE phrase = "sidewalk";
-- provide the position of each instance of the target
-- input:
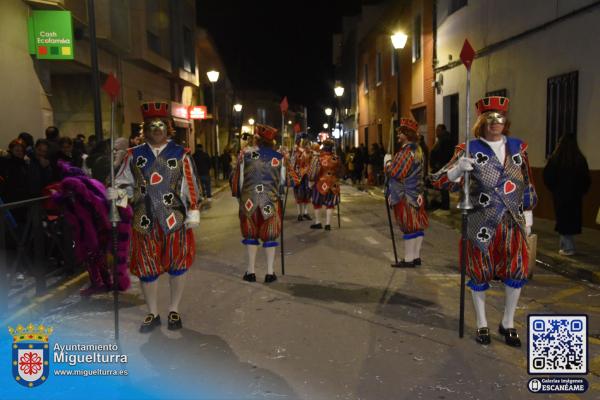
(584, 265)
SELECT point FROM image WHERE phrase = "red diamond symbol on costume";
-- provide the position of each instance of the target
(155, 178)
(249, 204)
(274, 162)
(325, 186)
(509, 187)
(467, 54)
(171, 220)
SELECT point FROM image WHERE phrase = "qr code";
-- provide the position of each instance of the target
(557, 344)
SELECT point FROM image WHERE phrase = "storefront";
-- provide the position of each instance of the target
(184, 128)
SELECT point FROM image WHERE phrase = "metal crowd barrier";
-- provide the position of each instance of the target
(42, 246)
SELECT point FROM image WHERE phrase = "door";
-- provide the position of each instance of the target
(451, 116)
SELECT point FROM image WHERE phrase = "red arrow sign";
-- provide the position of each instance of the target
(467, 54)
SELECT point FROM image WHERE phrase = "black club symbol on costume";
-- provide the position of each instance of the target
(484, 199)
(172, 163)
(259, 188)
(268, 210)
(143, 189)
(521, 209)
(483, 235)
(517, 159)
(481, 158)
(168, 199)
(144, 222)
(141, 161)
(255, 155)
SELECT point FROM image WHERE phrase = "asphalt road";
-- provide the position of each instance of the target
(341, 324)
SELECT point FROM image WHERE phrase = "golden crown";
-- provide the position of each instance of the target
(38, 333)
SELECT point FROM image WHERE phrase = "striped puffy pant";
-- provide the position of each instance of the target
(255, 227)
(156, 252)
(506, 258)
(410, 219)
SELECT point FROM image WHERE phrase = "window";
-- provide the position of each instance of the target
(189, 63)
(561, 108)
(416, 43)
(261, 115)
(378, 68)
(153, 42)
(456, 5)
(393, 58)
(366, 78)
(499, 92)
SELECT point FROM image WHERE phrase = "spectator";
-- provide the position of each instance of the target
(135, 139)
(203, 163)
(28, 140)
(225, 161)
(52, 135)
(359, 163)
(91, 144)
(40, 170)
(66, 152)
(98, 161)
(350, 163)
(375, 164)
(567, 176)
(121, 145)
(441, 153)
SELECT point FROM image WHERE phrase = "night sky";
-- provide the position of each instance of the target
(282, 46)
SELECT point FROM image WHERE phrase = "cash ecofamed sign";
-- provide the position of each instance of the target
(51, 35)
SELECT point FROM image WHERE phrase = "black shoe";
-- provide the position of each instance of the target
(270, 278)
(511, 337)
(174, 321)
(249, 277)
(316, 226)
(417, 262)
(150, 322)
(483, 336)
(300, 218)
(307, 217)
(404, 264)
(327, 227)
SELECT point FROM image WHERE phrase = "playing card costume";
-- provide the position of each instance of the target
(503, 195)
(161, 185)
(258, 184)
(404, 191)
(300, 162)
(324, 171)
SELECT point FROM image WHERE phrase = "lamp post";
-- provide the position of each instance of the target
(213, 77)
(328, 112)
(398, 41)
(237, 107)
(339, 92)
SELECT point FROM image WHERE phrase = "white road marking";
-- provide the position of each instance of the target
(389, 255)
(346, 219)
(371, 240)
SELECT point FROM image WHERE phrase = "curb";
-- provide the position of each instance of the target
(49, 300)
(547, 260)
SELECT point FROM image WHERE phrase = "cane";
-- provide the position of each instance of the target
(287, 188)
(389, 215)
(467, 55)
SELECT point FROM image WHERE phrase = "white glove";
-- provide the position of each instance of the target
(528, 221)
(192, 219)
(464, 164)
(115, 193)
(386, 159)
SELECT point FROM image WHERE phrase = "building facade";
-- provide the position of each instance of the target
(379, 66)
(148, 45)
(542, 58)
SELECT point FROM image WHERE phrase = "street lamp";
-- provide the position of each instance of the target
(237, 107)
(398, 41)
(328, 111)
(213, 77)
(325, 125)
(339, 92)
(251, 121)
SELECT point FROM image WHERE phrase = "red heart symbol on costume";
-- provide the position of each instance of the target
(155, 178)
(509, 187)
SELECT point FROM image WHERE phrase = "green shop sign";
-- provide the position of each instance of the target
(51, 35)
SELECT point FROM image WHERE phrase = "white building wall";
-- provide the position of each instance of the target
(523, 66)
